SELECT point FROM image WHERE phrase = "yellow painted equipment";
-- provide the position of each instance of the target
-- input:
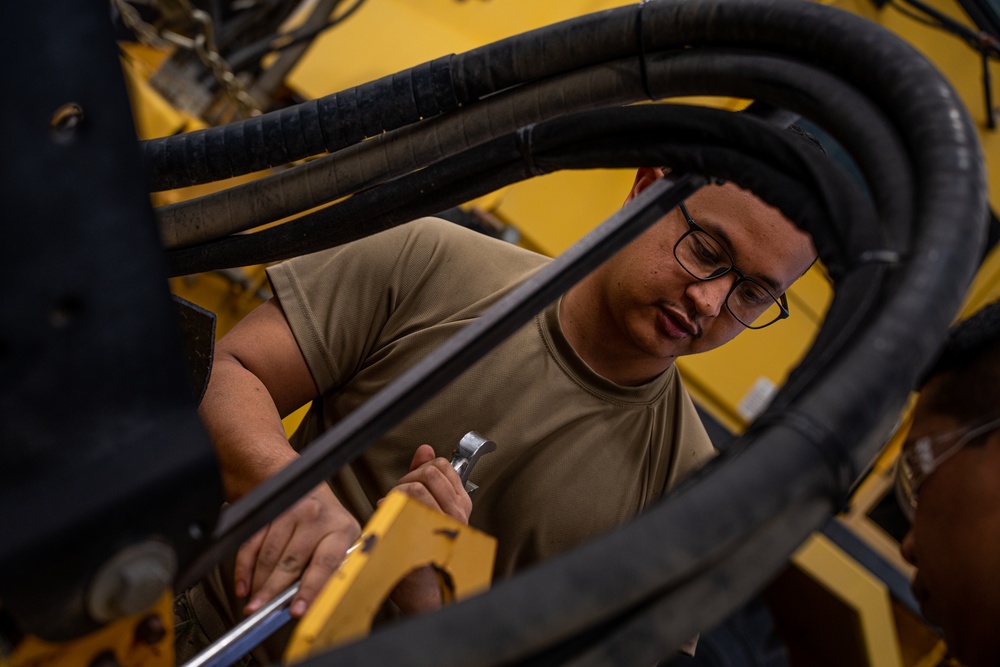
(402, 535)
(141, 640)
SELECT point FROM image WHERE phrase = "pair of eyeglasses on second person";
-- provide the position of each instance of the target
(922, 456)
(706, 258)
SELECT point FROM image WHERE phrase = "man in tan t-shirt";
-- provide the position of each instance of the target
(590, 417)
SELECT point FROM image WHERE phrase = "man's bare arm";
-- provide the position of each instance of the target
(258, 376)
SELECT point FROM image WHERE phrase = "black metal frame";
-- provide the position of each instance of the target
(101, 444)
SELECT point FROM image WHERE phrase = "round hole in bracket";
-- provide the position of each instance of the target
(66, 120)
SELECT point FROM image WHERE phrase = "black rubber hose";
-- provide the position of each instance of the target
(826, 100)
(650, 631)
(307, 129)
(345, 118)
(619, 137)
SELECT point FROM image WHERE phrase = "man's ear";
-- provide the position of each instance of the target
(644, 177)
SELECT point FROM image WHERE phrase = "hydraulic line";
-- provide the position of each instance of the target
(445, 84)
(289, 135)
(624, 138)
(307, 129)
(651, 631)
(826, 100)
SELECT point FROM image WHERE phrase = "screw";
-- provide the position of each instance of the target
(131, 581)
(150, 630)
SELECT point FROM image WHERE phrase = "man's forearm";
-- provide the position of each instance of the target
(245, 427)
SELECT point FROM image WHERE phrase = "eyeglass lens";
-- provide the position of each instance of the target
(919, 459)
(749, 301)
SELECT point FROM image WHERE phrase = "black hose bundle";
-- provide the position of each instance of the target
(674, 136)
(786, 82)
(901, 268)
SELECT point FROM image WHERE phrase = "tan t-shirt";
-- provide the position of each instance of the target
(576, 454)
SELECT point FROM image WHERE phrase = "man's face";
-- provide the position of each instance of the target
(659, 310)
(955, 539)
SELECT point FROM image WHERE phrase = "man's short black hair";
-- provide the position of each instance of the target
(968, 340)
(971, 357)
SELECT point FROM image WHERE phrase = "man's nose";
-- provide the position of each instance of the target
(908, 548)
(709, 296)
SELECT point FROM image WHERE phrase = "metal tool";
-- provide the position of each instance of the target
(265, 621)
(470, 449)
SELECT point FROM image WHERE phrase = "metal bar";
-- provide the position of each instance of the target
(346, 440)
(254, 629)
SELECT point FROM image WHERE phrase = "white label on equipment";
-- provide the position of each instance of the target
(758, 398)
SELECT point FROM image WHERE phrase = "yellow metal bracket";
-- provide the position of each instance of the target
(402, 536)
(142, 640)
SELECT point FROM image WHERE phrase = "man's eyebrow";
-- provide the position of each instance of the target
(721, 234)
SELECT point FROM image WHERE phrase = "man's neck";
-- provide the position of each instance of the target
(593, 335)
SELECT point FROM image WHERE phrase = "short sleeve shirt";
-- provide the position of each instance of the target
(576, 454)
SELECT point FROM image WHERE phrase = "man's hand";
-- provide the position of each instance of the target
(308, 541)
(435, 483)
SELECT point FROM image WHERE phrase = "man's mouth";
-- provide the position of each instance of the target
(677, 324)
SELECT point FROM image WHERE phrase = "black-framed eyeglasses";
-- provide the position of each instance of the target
(749, 301)
(920, 458)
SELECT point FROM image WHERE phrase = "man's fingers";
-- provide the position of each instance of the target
(424, 454)
(437, 469)
(285, 573)
(269, 556)
(311, 537)
(246, 557)
(327, 558)
(419, 491)
(441, 489)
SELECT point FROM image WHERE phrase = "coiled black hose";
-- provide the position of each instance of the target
(846, 115)
(310, 128)
(676, 136)
(444, 84)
